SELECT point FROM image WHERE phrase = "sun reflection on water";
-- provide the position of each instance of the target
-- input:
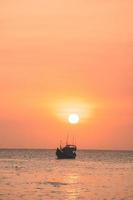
(72, 192)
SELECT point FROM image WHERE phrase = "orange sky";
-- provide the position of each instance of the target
(62, 55)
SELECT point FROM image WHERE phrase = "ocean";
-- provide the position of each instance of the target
(93, 175)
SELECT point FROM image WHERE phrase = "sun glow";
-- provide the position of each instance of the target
(73, 118)
(73, 110)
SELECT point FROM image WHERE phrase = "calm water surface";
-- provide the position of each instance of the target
(38, 175)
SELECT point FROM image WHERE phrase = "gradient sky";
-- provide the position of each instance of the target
(63, 56)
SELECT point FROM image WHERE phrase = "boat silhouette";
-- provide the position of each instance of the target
(67, 152)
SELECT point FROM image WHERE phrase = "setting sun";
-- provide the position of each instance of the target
(73, 118)
(73, 109)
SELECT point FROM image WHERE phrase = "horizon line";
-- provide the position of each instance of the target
(80, 149)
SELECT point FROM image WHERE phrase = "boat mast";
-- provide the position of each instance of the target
(60, 144)
(67, 139)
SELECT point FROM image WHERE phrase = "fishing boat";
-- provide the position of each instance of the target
(67, 152)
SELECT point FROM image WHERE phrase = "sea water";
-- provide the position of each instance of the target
(93, 175)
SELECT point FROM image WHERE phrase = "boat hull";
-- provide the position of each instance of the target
(65, 155)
